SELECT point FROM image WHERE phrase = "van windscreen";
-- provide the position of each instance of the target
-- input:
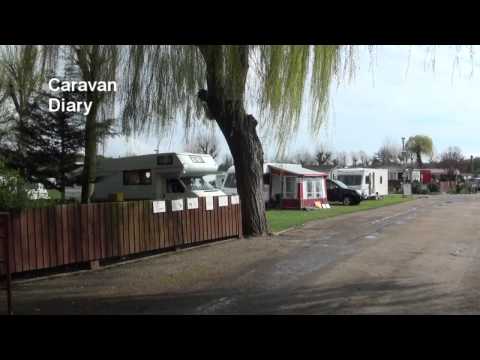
(230, 181)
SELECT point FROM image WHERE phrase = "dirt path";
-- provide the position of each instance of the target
(417, 257)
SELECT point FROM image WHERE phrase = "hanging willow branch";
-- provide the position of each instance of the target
(162, 82)
(159, 84)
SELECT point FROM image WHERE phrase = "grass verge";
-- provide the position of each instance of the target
(54, 194)
(283, 219)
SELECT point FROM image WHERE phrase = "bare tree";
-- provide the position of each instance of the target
(205, 143)
(341, 159)
(388, 154)
(323, 155)
(451, 159)
(304, 158)
(355, 157)
(364, 158)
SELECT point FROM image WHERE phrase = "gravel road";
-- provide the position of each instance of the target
(420, 257)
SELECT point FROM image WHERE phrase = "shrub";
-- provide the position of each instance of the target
(416, 187)
(433, 187)
(13, 190)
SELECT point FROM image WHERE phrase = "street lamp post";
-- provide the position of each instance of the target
(404, 168)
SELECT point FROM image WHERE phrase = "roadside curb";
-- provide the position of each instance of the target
(285, 230)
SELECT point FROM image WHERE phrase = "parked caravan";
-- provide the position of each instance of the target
(156, 176)
(369, 183)
(288, 186)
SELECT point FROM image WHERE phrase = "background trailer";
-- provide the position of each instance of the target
(368, 182)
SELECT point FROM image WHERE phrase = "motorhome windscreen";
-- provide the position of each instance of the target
(196, 183)
(350, 180)
(341, 184)
(230, 181)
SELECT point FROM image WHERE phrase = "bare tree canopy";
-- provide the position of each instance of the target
(388, 154)
(323, 155)
(204, 142)
(452, 158)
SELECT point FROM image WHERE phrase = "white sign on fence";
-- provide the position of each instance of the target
(192, 203)
(209, 203)
(235, 199)
(177, 205)
(223, 201)
(158, 206)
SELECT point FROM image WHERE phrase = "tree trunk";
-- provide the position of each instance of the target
(247, 153)
(224, 102)
(419, 159)
(90, 162)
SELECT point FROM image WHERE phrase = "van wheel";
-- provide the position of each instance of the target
(347, 200)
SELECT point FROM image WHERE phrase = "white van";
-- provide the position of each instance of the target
(156, 176)
(369, 183)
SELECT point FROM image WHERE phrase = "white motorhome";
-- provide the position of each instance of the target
(369, 183)
(156, 176)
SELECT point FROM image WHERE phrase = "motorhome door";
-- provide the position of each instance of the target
(160, 185)
(373, 184)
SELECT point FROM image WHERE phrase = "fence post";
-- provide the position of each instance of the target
(6, 260)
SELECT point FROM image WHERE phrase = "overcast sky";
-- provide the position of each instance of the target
(399, 96)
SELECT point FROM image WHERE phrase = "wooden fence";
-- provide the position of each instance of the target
(77, 233)
(5, 276)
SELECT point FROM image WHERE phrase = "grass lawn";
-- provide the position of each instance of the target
(283, 219)
(54, 194)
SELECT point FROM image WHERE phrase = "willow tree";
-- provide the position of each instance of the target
(418, 145)
(22, 73)
(166, 82)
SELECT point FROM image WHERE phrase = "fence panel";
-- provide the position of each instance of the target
(68, 234)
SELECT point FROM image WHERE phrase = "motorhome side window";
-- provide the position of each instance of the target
(137, 177)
